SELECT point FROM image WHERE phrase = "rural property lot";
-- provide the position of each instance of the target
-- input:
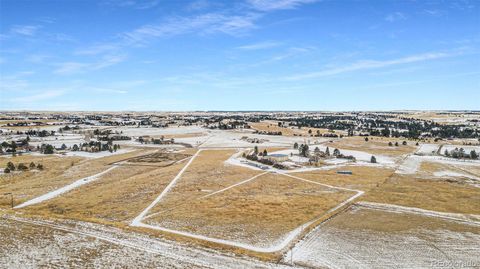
(366, 238)
(260, 213)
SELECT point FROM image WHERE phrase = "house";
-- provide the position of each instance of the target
(277, 157)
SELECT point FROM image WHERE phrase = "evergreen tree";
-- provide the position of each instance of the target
(473, 155)
(265, 153)
(11, 166)
(327, 151)
(373, 159)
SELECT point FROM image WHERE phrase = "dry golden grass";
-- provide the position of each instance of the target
(427, 194)
(375, 145)
(272, 126)
(118, 196)
(363, 178)
(258, 212)
(381, 221)
(58, 172)
(206, 173)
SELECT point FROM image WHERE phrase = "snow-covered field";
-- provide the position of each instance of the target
(449, 174)
(427, 149)
(334, 246)
(466, 148)
(30, 243)
(64, 189)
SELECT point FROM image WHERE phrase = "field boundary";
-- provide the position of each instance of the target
(286, 241)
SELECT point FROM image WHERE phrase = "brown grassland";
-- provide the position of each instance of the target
(443, 196)
(253, 212)
(272, 126)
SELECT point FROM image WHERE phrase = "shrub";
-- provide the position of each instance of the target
(32, 165)
(11, 166)
(22, 167)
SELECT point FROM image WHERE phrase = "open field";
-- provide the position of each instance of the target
(252, 213)
(375, 145)
(271, 126)
(205, 193)
(366, 238)
(58, 171)
(427, 194)
(38, 243)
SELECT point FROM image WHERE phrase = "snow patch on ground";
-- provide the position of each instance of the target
(64, 189)
(453, 174)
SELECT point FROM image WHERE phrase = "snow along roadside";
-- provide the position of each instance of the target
(471, 219)
(137, 221)
(64, 189)
(285, 241)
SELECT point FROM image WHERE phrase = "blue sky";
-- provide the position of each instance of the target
(170, 55)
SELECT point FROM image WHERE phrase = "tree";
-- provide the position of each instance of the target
(473, 155)
(64, 147)
(366, 139)
(295, 146)
(404, 143)
(75, 147)
(6, 170)
(396, 144)
(265, 153)
(447, 153)
(13, 146)
(32, 165)
(22, 167)
(255, 150)
(316, 150)
(336, 152)
(386, 132)
(390, 144)
(11, 166)
(373, 159)
(40, 166)
(303, 150)
(327, 151)
(48, 149)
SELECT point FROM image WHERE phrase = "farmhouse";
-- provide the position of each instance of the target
(277, 157)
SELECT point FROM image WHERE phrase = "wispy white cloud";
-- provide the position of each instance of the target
(27, 30)
(67, 68)
(270, 5)
(45, 95)
(396, 16)
(209, 23)
(372, 64)
(198, 5)
(136, 4)
(37, 58)
(260, 45)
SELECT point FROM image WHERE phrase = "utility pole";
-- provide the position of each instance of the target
(11, 197)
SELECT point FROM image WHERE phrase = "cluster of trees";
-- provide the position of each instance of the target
(8, 147)
(96, 146)
(42, 133)
(459, 153)
(380, 125)
(267, 132)
(21, 167)
(404, 143)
